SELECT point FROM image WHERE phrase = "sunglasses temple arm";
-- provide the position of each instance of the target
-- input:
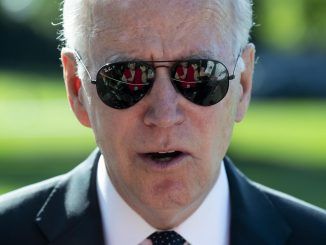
(83, 65)
(236, 63)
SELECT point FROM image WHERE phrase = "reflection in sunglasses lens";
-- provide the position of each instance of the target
(203, 82)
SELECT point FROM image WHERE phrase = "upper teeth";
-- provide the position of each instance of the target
(164, 152)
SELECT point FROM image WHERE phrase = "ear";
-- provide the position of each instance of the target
(248, 57)
(73, 85)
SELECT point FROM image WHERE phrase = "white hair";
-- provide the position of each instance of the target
(76, 24)
(243, 22)
(77, 19)
(241, 12)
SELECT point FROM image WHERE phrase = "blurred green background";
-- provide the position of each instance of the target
(281, 143)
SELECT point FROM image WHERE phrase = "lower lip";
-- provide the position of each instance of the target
(160, 166)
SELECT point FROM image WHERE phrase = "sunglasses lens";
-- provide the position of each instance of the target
(203, 82)
(121, 85)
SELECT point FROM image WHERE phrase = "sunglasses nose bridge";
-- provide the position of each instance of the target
(161, 71)
(163, 82)
(162, 90)
(163, 107)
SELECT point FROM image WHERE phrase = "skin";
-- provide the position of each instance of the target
(163, 120)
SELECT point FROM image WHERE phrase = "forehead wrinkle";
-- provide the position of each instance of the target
(119, 11)
(202, 54)
(141, 14)
(119, 58)
(137, 25)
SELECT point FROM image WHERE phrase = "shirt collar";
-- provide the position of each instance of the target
(210, 221)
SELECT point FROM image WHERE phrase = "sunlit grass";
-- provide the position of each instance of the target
(292, 132)
(36, 126)
(21, 86)
(40, 138)
(36, 119)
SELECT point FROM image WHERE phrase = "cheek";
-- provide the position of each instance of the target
(110, 132)
(112, 139)
(211, 128)
(104, 120)
(218, 127)
(108, 127)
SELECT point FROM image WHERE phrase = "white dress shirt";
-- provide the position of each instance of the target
(209, 224)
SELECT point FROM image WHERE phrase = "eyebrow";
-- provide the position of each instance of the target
(204, 54)
(119, 58)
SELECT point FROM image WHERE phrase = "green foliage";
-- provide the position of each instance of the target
(38, 15)
(282, 24)
(290, 25)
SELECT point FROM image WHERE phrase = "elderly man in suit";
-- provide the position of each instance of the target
(160, 174)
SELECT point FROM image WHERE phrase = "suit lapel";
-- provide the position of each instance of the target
(254, 219)
(71, 213)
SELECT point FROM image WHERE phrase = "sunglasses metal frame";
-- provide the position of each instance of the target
(230, 77)
(148, 63)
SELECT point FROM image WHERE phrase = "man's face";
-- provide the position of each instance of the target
(163, 154)
(195, 66)
(132, 66)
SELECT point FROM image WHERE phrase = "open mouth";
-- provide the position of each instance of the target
(164, 157)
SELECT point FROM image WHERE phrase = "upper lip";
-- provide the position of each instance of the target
(169, 150)
(162, 152)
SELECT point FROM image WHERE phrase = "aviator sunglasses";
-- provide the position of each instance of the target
(121, 85)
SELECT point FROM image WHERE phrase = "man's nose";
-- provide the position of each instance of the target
(164, 109)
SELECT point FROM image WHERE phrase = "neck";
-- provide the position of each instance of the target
(166, 219)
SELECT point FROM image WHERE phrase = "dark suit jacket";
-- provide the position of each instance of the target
(65, 210)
